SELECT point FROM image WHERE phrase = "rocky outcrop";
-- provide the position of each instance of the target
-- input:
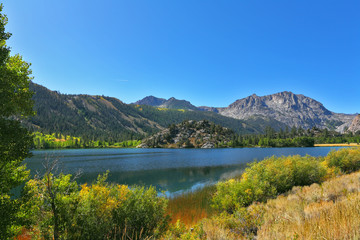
(289, 108)
(190, 134)
(355, 125)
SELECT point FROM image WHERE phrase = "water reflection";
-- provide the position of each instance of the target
(171, 170)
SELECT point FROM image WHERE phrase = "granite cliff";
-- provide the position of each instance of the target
(355, 125)
(288, 108)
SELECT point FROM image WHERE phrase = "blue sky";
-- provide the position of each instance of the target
(208, 52)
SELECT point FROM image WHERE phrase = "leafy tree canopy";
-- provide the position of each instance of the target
(15, 141)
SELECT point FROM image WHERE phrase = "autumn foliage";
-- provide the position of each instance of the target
(56, 207)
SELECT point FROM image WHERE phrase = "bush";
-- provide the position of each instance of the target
(142, 213)
(347, 160)
(56, 207)
(96, 203)
(266, 179)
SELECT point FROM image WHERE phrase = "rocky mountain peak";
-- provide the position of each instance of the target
(151, 101)
(171, 103)
(287, 107)
(174, 103)
(355, 125)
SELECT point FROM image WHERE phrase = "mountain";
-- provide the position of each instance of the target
(210, 109)
(355, 125)
(91, 117)
(171, 103)
(190, 134)
(288, 108)
(165, 116)
(174, 103)
(151, 101)
(107, 118)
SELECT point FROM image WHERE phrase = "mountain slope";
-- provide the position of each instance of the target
(87, 116)
(107, 118)
(174, 103)
(288, 108)
(164, 117)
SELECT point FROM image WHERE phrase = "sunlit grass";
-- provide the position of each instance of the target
(327, 211)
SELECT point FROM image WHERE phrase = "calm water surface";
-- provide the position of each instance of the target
(171, 170)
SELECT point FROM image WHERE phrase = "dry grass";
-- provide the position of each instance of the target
(214, 231)
(329, 211)
(337, 145)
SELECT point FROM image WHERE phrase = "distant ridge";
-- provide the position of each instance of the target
(286, 107)
(171, 103)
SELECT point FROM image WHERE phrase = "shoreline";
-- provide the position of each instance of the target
(337, 145)
(112, 147)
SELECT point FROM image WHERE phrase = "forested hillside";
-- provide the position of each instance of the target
(89, 117)
(109, 119)
(165, 117)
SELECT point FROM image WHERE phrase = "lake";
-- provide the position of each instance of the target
(170, 170)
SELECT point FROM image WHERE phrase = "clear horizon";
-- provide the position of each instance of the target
(210, 53)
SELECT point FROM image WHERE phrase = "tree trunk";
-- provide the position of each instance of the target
(56, 221)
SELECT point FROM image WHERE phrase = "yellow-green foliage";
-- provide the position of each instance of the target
(266, 179)
(167, 109)
(97, 211)
(38, 198)
(347, 160)
(127, 144)
(54, 141)
(47, 141)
